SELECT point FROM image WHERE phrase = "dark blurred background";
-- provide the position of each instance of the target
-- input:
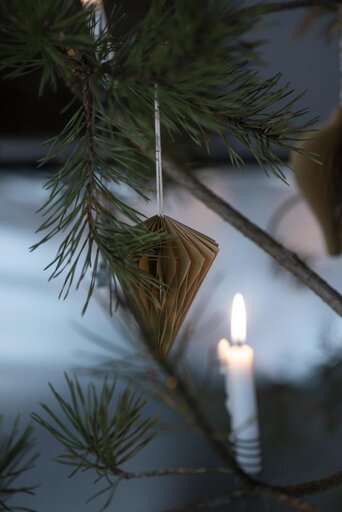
(296, 338)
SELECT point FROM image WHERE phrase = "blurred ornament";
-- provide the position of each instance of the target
(306, 23)
(320, 181)
(314, 15)
(180, 263)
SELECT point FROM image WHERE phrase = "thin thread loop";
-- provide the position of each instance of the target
(159, 171)
(339, 22)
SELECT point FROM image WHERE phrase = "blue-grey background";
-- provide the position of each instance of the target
(39, 340)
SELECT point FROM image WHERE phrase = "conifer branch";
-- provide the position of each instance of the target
(289, 260)
(57, 42)
(206, 89)
(98, 432)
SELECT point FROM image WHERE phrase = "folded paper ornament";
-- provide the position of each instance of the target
(321, 182)
(180, 263)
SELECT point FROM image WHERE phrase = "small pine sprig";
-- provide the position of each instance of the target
(98, 432)
(84, 207)
(45, 36)
(16, 457)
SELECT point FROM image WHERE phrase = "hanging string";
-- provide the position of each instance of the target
(159, 171)
(339, 21)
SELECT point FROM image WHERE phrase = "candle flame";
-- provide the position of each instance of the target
(238, 320)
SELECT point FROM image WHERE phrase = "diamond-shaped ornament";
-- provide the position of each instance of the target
(181, 263)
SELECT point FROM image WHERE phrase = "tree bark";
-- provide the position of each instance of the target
(287, 259)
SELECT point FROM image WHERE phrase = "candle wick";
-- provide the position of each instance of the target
(237, 343)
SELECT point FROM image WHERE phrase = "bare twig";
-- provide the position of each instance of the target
(290, 5)
(225, 499)
(17, 490)
(315, 486)
(283, 256)
(290, 500)
(173, 472)
(251, 485)
(281, 211)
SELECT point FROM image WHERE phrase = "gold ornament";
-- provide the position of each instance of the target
(321, 183)
(180, 263)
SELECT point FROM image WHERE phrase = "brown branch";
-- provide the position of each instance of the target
(129, 475)
(315, 486)
(283, 256)
(16, 490)
(251, 485)
(225, 499)
(285, 494)
(268, 8)
(293, 501)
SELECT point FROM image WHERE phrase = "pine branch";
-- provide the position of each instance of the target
(16, 458)
(289, 260)
(204, 87)
(97, 433)
(84, 208)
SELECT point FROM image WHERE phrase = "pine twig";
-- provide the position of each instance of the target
(288, 259)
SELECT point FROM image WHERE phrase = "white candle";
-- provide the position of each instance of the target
(237, 360)
(100, 23)
(100, 17)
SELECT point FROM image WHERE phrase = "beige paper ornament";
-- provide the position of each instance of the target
(321, 183)
(180, 263)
